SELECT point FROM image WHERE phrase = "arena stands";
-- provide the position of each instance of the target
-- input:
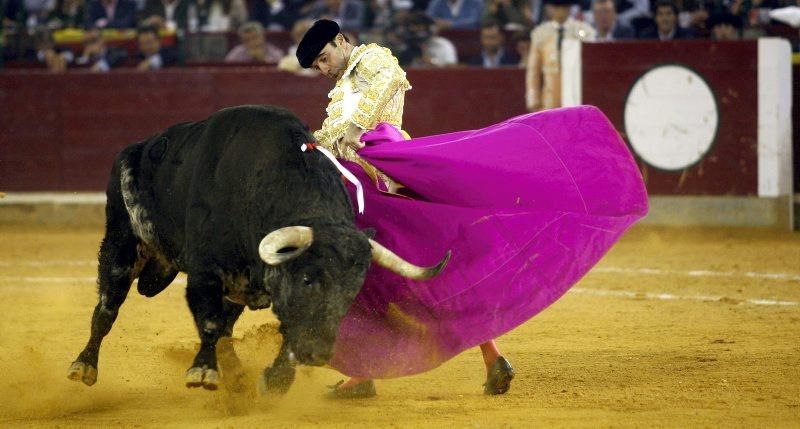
(204, 32)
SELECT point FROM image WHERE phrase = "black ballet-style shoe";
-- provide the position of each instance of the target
(362, 390)
(498, 378)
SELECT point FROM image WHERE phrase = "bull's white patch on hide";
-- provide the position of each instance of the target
(142, 226)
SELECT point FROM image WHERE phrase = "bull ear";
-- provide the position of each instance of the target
(369, 232)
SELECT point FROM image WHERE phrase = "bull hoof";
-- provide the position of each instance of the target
(276, 380)
(202, 377)
(84, 372)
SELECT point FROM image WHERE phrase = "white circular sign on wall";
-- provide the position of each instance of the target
(671, 117)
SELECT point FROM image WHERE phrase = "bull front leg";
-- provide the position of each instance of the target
(204, 295)
(232, 369)
(280, 376)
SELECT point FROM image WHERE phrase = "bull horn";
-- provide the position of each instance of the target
(389, 260)
(297, 237)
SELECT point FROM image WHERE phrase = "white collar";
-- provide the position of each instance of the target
(493, 60)
(455, 8)
(669, 36)
(355, 56)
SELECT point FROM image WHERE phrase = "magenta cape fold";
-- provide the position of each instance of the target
(526, 206)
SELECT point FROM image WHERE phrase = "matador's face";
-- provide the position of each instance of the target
(331, 61)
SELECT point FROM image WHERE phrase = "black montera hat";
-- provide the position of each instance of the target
(322, 32)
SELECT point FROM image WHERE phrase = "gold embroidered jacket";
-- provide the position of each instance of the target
(371, 90)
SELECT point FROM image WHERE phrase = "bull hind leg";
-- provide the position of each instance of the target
(118, 255)
(205, 297)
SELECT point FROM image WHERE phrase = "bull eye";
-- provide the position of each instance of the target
(307, 280)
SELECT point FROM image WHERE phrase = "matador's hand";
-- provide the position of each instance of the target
(352, 137)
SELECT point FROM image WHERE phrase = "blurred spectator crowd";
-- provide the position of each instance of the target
(151, 34)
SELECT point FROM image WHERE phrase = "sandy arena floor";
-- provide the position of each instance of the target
(675, 327)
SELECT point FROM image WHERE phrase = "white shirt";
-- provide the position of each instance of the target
(492, 61)
(455, 7)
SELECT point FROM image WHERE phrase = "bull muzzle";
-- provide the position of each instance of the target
(389, 260)
(285, 244)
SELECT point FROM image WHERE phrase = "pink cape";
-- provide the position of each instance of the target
(526, 206)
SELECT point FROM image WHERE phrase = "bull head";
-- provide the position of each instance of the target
(312, 287)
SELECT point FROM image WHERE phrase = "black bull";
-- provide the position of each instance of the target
(233, 202)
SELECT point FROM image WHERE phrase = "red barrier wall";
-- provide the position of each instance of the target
(62, 132)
